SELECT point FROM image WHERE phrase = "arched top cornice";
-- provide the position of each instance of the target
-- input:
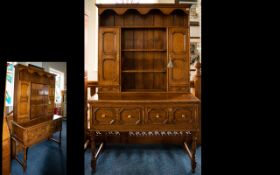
(143, 9)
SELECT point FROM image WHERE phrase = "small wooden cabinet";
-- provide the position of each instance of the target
(6, 147)
(144, 73)
(33, 119)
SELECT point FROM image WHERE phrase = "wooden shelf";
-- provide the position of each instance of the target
(144, 50)
(144, 71)
(143, 90)
(143, 27)
(39, 105)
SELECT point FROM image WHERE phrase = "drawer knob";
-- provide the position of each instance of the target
(157, 116)
(103, 115)
(183, 116)
(129, 116)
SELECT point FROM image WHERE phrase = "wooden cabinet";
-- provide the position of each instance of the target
(33, 119)
(144, 73)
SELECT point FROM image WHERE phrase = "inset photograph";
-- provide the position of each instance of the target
(34, 125)
(142, 87)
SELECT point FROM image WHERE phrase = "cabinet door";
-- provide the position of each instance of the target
(23, 101)
(51, 95)
(108, 62)
(178, 45)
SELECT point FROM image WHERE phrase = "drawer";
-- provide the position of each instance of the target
(130, 116)
(37, 133)
(157, 115)
(184, 115)
(104, 116)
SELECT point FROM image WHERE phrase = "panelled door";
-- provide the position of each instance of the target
(23, 99)
(108, 56)
(178, 45)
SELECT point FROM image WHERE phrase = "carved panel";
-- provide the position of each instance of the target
(104, 116)
(130, 116)
(109, 43)
(109, 74)
(157, 115)
(184, 115)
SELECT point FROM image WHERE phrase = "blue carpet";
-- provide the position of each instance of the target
(45, 158)
(143, 160)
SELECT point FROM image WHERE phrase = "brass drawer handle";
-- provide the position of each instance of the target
(103, 115)
(129, 116)
(157, 116)
(112, 122)
(183, 116)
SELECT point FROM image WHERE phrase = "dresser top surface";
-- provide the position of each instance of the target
(144, 97)
(38, 121)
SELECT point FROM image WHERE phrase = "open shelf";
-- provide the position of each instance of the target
(149, 80)
(144, 50)
(144, 90)
(144, 57)
(144, 39)
(143, 71)
(143, 27)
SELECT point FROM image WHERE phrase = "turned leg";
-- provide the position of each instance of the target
(194, 139)
(25, 158)
(14, 149)
(93, 151)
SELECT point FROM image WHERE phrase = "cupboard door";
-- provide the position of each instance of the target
(178, 45)
(108, 61)
(51, 96)
(23, 99)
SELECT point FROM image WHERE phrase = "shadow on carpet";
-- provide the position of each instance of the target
(143, 160)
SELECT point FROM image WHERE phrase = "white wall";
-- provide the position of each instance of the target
(39, 64)
(166, 1)
(91, 61)
(60, 66)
